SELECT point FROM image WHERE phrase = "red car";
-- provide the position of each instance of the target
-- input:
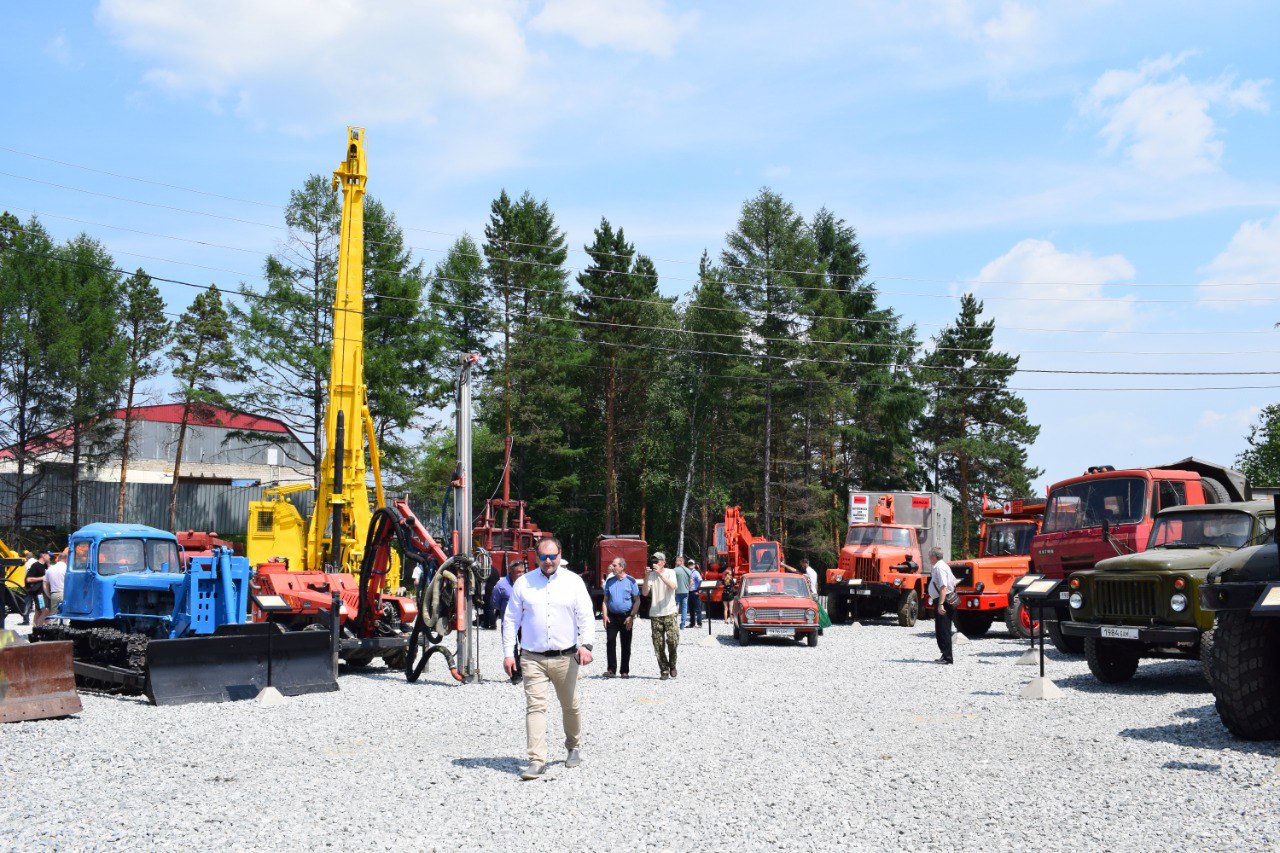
(775, 604)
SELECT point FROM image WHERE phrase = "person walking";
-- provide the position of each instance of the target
(55, 579)
(35, 590)
(695, 594)
(682, 590)
(942, 594)
(550, 609)
(621, 602)
(660, 586)
(498, 604)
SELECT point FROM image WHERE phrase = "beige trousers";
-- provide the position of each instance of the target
(561, 672)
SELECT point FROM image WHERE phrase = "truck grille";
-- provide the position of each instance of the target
(1126, 598)
(780, 614)
(865, 568)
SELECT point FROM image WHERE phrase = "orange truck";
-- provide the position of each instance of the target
(736, 552)
(1004, 555)
(881, 568)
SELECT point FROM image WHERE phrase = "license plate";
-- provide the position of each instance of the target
(1064, 595)
(862, 592)
(780, 632)
(1119, 633)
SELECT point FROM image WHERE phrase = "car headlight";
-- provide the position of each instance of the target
(1178, 602)
(1077, 601)
(813, 615)
(897, 581)
(751, 614)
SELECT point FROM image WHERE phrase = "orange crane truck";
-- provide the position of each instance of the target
(736, 552)
(1004, 555)
(881, 568)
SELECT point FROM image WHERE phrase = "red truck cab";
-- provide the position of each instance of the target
(607, 547)
(879, 569)
(1004, 555)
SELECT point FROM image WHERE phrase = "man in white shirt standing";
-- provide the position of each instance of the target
(55, 580)
(551, 609)
(942, 583)
(660, 586)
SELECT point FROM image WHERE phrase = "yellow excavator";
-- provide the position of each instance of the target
(333, 538)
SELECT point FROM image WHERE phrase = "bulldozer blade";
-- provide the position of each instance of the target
(236, 662)
(37, 682)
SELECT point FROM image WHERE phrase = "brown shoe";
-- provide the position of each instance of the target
(608, 673)
(626, 675)
(673, 673)
(664, 677)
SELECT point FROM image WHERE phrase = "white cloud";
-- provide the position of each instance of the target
(311, 63)
(1036, 271)
(1248, 270)
(1235, 422)
(638, 26)
(1161, 120)
(59, 50)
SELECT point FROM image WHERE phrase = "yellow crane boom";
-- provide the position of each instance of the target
(334, 536)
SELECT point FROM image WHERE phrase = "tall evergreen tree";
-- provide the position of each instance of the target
(768, 258)
(976, 432)
(32, 398)
(464, 305)
(146, 333)
(88, 352)
(205, 361)
(1261, 462)
(285, 328)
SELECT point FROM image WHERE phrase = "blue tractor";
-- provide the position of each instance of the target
(144, 620)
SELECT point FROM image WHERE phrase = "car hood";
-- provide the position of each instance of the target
(1165, 560)
(1248, 564)
(776, 601)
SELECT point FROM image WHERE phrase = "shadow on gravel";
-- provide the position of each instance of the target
(490, 762)
(1192, 765)
(1166, 677)
(1207, 732)
(1012, 654)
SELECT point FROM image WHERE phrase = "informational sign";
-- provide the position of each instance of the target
(859, 509)
(919, 501)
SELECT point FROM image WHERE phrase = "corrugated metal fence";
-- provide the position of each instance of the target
(219, 507)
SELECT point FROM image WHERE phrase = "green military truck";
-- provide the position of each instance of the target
(1147, 604)
(1243, 591)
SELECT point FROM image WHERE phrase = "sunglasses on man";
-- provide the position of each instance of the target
(545, 557)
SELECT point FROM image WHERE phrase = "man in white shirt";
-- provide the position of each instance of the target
(551, 609)
(54, 582)
(811, 575)
(660, 586)
(942, 582)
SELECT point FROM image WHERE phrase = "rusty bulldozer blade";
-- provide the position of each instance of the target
(37, 682)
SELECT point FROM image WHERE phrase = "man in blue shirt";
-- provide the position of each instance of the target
(621, 601)
(695, 595)
(498, 604)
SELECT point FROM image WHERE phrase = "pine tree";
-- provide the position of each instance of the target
(464, 307)
(32, 398)
(976, 432)
(146, 333)
(286, 328)
(87, 353)
(205, 360)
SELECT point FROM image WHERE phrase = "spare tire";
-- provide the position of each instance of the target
(1214, 492)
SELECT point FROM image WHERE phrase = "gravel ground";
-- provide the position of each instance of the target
(862, 742)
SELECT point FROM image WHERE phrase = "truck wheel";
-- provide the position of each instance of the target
(838, 610)
(1073, 646)
(908, 608)
(974, 624)
(812, 639)
(1214, 492)
(1206, 650)
(1017, 618)
(1245, 659)
(1110, 663)
(396, 659)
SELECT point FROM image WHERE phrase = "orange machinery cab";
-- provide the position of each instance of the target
(774, 604)
(1004, 555)
(735, 553)
(309, 594)
(879, 570)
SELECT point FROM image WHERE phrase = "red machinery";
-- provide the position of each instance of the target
(984, 584)
(198, 543)
(505, 531)
(629, 547)
(737, 551)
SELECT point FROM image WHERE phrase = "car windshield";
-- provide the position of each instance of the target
(117, 556)
(1210, 529)
(1008, 540)
(1117, 500)
(161, 551)
(874, 534)
(796, 587)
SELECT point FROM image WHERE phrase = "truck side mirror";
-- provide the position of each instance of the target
(1106, 529)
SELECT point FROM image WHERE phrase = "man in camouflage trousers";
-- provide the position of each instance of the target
(660, 586)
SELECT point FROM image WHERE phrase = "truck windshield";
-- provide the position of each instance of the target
(796, 587)
(117, 556)
(1202, 530)
(161, 551)
(1119, 500)
(1009, 540)
(874, 534)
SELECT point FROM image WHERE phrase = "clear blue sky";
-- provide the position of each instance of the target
(1100, 152)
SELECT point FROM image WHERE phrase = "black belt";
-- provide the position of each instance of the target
(554, 653)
